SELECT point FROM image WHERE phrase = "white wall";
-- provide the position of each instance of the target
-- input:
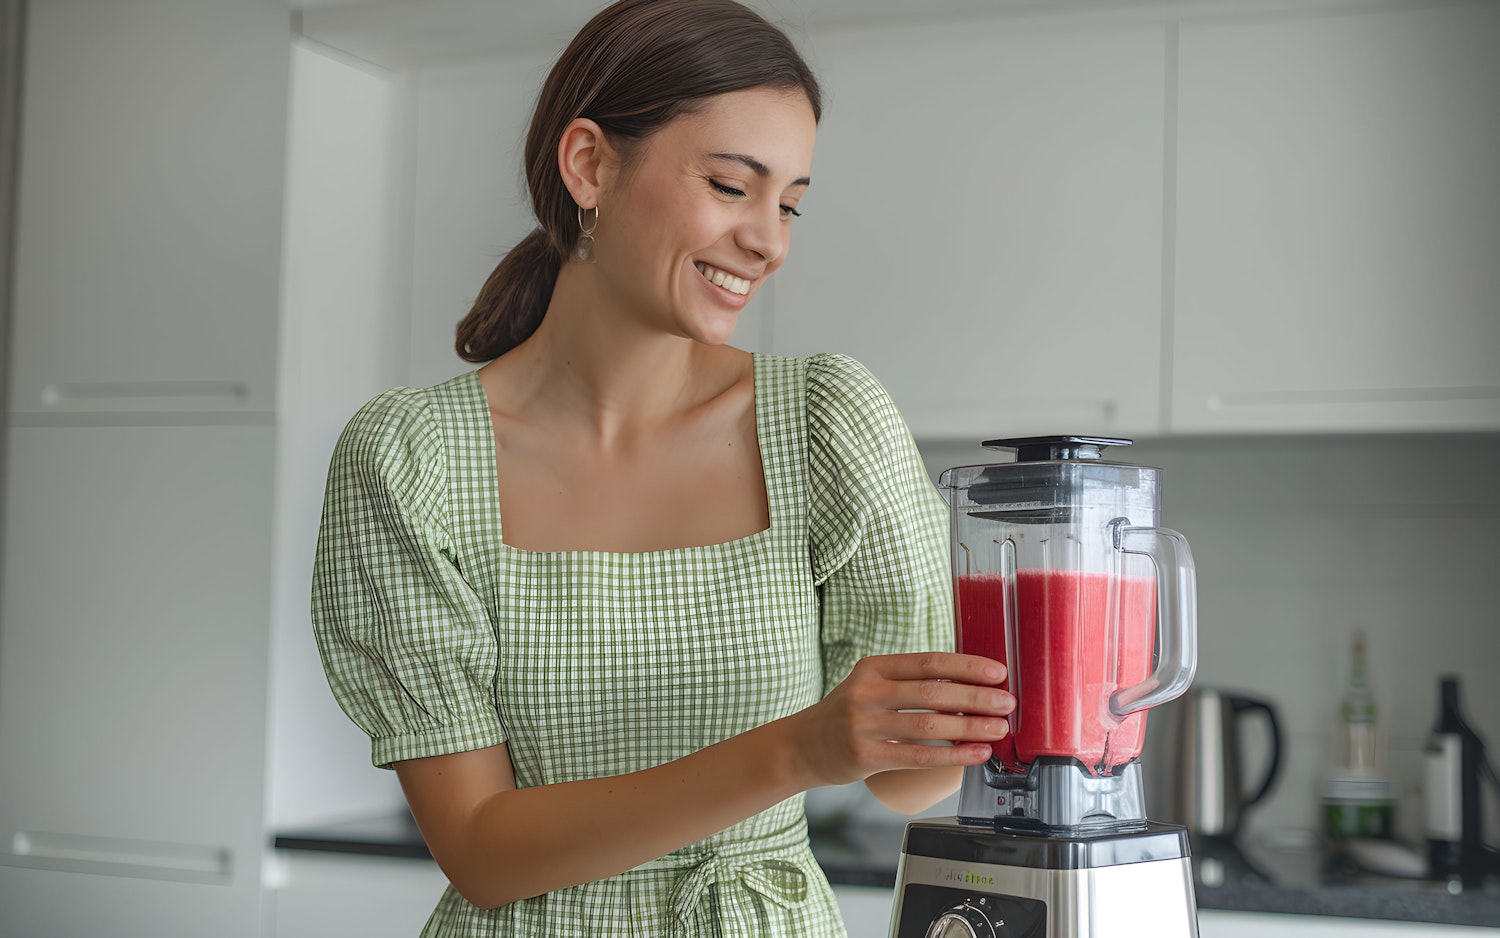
(339, 347)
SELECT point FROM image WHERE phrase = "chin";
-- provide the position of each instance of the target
(713, 339)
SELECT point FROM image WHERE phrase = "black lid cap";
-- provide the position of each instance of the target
(1049, 448)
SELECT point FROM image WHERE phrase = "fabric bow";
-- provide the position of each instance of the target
(778, 881)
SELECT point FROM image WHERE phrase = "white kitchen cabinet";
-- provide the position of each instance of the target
(133, 680)
(866, 909)
(148, 231)
(1338, 222)
(1214, 923)
(984, 226)
(334, 895)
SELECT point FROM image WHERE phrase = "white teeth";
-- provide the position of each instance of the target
(721, 279)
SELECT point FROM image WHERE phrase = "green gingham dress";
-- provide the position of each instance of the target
(437, 637)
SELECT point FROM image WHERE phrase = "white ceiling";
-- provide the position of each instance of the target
(414, 33)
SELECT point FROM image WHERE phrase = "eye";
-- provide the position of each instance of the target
(787, 211)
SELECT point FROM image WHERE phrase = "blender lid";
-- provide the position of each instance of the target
(1049, 448)
(1050, 479)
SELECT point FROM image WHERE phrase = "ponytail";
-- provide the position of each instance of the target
(512, 302)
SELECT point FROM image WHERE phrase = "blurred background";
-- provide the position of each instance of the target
(1260, 238)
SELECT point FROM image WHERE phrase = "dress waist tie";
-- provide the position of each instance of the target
(778, 880)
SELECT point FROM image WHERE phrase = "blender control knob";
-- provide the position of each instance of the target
(967, 920)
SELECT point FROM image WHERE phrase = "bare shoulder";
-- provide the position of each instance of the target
(726, 379)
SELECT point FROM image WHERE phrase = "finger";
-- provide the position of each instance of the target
(941, 665)
(951, 697)
(918, 756)
(925, 726)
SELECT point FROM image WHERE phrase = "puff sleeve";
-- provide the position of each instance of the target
(407, 645)
(878, 529)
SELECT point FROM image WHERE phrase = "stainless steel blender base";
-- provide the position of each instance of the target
(1131, 885)
(1054, 795)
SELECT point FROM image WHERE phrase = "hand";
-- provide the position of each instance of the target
(891, 708)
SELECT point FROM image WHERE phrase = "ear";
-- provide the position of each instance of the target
(586, 161)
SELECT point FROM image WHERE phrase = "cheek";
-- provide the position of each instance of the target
(786, 251)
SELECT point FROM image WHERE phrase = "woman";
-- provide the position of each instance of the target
(611, 603)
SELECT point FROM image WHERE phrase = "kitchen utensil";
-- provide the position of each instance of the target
(1210, 788)
(1062, 572)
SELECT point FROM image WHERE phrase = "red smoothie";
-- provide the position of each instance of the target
(1067, 670)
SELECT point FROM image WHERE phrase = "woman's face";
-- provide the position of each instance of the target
(704, 213)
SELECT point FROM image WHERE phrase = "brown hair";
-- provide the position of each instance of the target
(635, 66)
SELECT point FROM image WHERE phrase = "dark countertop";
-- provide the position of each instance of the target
(1300, 882)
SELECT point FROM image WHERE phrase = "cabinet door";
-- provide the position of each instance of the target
(321, 895)
(984, 226)
(148, 232)
(133, 650)
(866, 909)
(1338, 198)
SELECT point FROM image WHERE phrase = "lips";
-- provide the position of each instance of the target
(719, 278)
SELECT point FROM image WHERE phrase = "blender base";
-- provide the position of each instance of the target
(1056, 796)
(957, 881)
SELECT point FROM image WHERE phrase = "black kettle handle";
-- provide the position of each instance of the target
(1242, 705)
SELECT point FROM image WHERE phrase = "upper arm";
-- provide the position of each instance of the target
(877, 524)
(406, 641)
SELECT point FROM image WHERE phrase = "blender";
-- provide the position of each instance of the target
(1062, 572)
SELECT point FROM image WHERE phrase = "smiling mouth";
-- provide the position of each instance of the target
(719, 278)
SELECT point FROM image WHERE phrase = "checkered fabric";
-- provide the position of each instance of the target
(437, 637)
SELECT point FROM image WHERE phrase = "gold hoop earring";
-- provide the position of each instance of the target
(586, 234)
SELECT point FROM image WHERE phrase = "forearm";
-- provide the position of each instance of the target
(528, 841)
(910, 791)
(497, 843)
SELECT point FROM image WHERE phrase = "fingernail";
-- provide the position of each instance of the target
(994, 673)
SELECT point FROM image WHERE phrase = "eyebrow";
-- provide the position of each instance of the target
(756, 166)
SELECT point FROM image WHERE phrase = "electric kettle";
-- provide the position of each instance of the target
(1198, 745)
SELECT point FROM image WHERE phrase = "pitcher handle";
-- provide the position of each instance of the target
(1244, 705)
(1176, 617)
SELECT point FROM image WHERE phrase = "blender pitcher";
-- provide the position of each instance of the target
(1062, 572)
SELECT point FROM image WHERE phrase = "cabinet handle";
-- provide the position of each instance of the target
(71, 391)
(1227, 399)
(120, 856)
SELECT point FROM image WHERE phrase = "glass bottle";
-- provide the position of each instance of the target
(1360, 749)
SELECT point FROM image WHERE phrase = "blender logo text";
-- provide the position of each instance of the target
(966, 876)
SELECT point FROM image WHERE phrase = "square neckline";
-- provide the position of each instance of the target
(492, 486)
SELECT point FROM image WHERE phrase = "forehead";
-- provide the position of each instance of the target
(774, 126)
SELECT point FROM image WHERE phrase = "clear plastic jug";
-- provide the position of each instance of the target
(1062, 572)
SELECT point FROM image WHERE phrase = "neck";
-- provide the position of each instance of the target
(607, 369)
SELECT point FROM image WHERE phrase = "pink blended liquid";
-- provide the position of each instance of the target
(1067, 670)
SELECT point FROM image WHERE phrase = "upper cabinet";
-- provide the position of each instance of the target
(984, 226)
(1338, 223)
(148, 231)
(1207, 218)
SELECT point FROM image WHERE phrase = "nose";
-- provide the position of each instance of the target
(763, 232)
